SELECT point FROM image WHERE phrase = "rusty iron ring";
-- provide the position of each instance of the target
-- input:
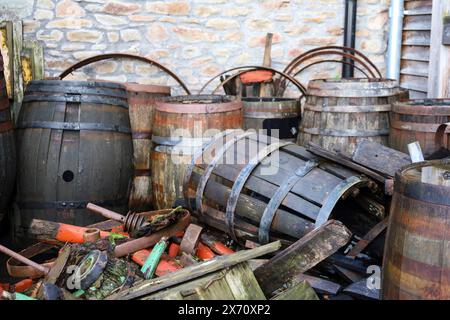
(253, 68)
(107, 56)
(291, 66)
(331, 60)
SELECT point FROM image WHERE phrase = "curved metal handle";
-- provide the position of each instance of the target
(107, 56)
(439, 137)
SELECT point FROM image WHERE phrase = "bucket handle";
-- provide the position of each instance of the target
(440, 136)
(107, 56)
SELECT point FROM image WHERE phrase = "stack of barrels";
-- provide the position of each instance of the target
(74, 147)
(141, 101)
(340, 113)
(7, 150)
(181, 125)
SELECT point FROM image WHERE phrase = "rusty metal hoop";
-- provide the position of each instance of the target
(107, 56)
(254, 68)
(331, 60)
(294, 63)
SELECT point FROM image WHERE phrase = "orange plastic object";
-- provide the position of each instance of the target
(256, 76)
(220, 248)
(74, 234)
(23, 285)
(204, 252)
(174, 250)
(166, 264)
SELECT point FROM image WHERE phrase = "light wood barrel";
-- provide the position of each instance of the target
(416, 262)
(339, 113)
(418, 120)
(141, 101)
(180, 127)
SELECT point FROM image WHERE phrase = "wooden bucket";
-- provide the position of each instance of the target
(141, 101)
(416, 262)
(232, 187)
(7, 149)
(270, 114)
(340, 113)
(418, 120)
(74, 147)
(180, 127)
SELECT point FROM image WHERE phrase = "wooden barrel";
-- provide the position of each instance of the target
(74, 147)
(141, 101)
(418, 120)
(339, 113)
(236, 187)
(273, 113)
(416, 262)
(180, 127)
(7, 150)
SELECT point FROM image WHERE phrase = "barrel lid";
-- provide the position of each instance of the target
(268, 99)
(148, 88)
(198, 104)
(353, 87)
(426, 107)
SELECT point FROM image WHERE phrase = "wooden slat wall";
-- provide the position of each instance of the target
(416, 47)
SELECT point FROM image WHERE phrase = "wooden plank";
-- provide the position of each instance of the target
(414, 83)
(361, 290)
(417, 23)
(302, 255)
(220, 262)
(416, 53)
(300, 291)
(438, 82)
(319, 284)
(16, 61)
(380, 158)
(368, 238)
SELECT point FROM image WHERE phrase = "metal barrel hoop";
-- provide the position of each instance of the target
(195, 157)
(335, 196)
(242, 179)
(334, 61)
(301, 88)
(277, 199)
(210, 168)
(107, 56)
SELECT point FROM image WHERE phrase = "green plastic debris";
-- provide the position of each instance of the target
(149, 267)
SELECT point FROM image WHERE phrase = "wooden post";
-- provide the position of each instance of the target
(304, 254)
(267, 62)
(439, 72)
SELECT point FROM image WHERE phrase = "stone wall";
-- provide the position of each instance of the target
(196, 39)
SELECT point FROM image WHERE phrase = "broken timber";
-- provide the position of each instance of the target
(302, 255)
(221, 262)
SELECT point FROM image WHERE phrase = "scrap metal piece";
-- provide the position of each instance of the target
(190, 239)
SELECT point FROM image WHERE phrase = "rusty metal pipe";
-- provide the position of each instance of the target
(108, 214)
(24, 260)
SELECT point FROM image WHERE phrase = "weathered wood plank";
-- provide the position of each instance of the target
(221, 262)
(302, 255)
(300, 291)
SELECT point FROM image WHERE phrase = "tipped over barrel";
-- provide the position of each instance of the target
(339, 113)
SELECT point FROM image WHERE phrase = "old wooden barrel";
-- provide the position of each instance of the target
(418, 120)
(416, 262)
(339, 113)
(74, 147)
(180, 126)
(277, 117)
(7, 150)
(256, 187)
(141, 101)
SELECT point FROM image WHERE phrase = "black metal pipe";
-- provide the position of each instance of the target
(348, 69)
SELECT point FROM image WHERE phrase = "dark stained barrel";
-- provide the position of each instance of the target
(141, 101)
(418, 120)
(180, 127)
(272, 113)
(416, 262)
(74, 147)
(7, 150)
(339, 113)
(256, 187)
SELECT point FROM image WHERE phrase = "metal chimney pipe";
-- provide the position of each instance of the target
(348, 70)
(396, 12)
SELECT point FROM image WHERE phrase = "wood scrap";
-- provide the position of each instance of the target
(299, 291)
(319, 284)
(368, 238)
(302, 255)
